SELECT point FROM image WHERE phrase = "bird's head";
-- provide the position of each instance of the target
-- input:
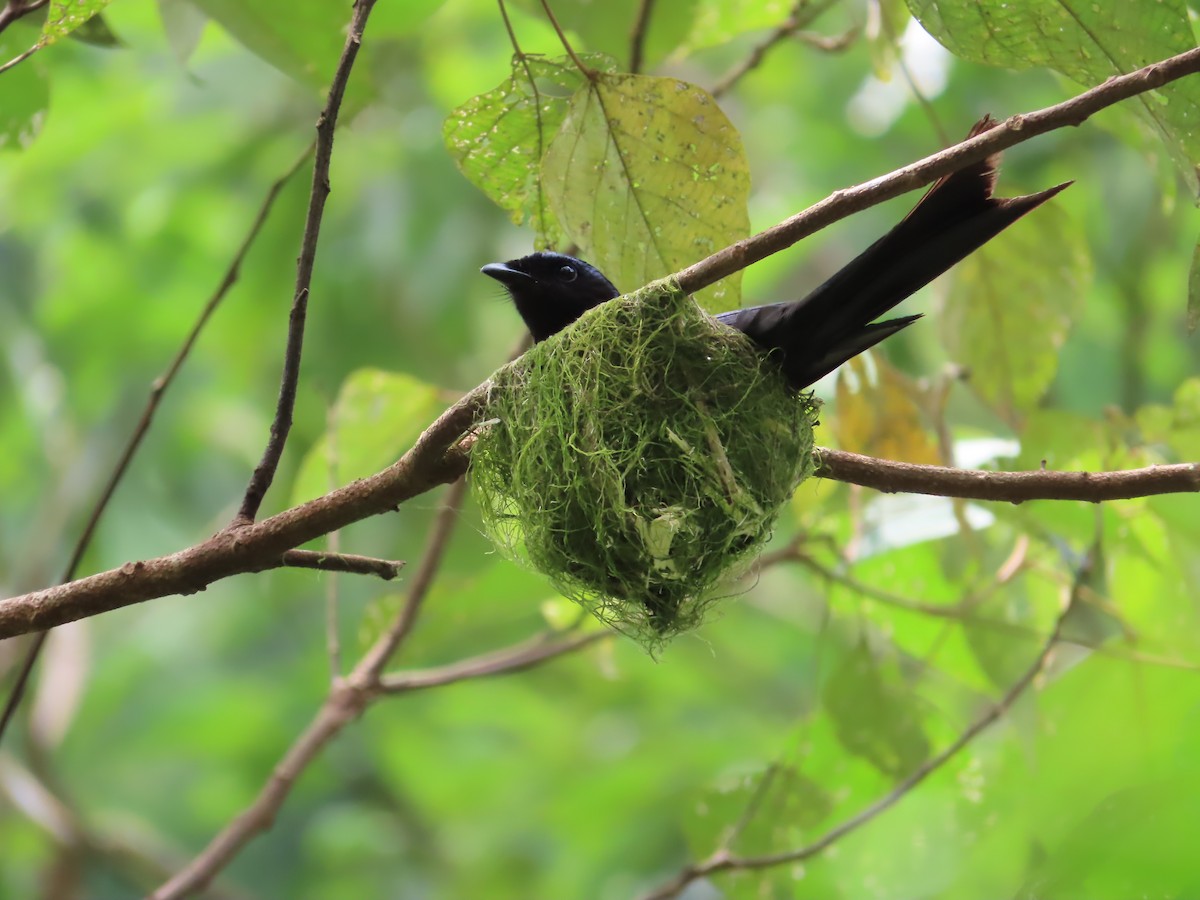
(551, 290)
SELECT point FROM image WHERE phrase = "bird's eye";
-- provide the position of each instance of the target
(568, 273)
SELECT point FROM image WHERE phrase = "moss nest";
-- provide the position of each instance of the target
(639, 458)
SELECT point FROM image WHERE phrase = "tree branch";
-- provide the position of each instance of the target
(345, 703)
(1013, 131)
(1011, 487)
(17, 9)
(724, 861)
(264, 472)
(517, 658)
(257, 546)
(157, 390)
(351, 563)
(637, 37)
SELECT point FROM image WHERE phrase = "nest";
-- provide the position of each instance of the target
(639, 458)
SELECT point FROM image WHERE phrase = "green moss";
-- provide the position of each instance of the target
(638, 457)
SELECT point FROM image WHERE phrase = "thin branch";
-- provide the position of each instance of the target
(1011, 487)
(387, 569)
(157, 389)
(723, 860)
(513, 659)
(1013, 131)
(17, 9)
(431, 560)
(345, 703)
(637, 37)
(264, 472)
(429, 464)
(21, 57)
(801, 16)
(259, 546)
(588, 72)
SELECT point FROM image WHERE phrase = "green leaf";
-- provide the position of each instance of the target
(302, 38)
(1088, 42)
(498, 139)
(647, 176)
(377, 417)
(772, 805)
(65, 16)
(873, 713)
(1137, 841)
(1011, 308)
(95, 31)
(305, 38)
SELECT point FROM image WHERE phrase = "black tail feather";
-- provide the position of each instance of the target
(832, 324)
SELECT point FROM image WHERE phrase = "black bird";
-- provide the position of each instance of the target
(813, 336)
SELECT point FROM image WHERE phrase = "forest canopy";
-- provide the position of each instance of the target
(246, 362)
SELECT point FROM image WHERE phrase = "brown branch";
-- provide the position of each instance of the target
(264, 472)
(801, 16)
(513, 659)
(723, 860)
(431, 560)
(157, 389)
(428, 464)
(258, 546)
(17, 9)
(387, 569)
(587, 71)
(1013, 131)
(1011, 487)
(21, 57)
(345, 703)
(637, 37)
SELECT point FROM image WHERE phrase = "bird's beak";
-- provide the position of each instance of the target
(506, 274)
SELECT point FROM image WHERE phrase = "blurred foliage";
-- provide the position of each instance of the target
(130, 173)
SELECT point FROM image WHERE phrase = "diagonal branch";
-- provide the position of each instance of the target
(1014, 130)
(1010, 487)
(438, 457)
(345, 703)
(264, 472)
(723, 860)
(157, 390)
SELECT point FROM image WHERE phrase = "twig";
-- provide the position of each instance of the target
(346, 702)
(16, 9)
(587, 71)
(637, 37)
(21, 57)
(259, 546)
(387, 569)
(801, 16)
(431, 560)
(1011, 487)
(429, 464)
(501, 662)
(264, 472)
(723, 860)
(157, 389)
(1013, 131)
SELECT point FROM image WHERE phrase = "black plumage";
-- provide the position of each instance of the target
(812, 336)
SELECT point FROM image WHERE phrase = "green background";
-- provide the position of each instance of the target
(129, 175)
